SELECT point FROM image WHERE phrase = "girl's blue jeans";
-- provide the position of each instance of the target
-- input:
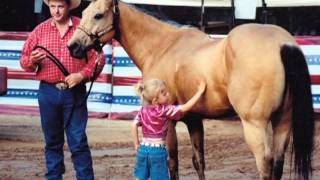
(151, 162)
(55, 108)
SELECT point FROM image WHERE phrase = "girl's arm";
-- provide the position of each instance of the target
(188, 105)
(135, 137)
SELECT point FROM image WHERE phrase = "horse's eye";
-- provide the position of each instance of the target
(98, 16)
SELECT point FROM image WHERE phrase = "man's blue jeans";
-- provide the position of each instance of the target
(55, 108)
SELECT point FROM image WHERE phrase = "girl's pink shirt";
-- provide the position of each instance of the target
(155, 119)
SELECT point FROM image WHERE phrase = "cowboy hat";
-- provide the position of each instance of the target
(73, 3)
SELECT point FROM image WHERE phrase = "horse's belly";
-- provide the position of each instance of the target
(214, 110)
(213, 105)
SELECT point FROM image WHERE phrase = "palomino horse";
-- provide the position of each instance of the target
(257, 70)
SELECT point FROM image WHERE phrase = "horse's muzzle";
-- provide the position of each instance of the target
(77, 51)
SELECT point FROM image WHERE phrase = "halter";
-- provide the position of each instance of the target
(97, 44)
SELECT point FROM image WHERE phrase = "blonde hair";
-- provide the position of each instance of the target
(148, 90)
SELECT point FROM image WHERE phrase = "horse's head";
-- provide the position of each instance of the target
(98, 26)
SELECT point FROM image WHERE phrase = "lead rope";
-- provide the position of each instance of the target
(94, 76)
(54, 59)
(65, 72)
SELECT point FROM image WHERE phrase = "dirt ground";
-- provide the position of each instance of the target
(227, 155)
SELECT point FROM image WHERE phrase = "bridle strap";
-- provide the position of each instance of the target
(97, 44)
(99, 34)
(116, 19)
(83, 29)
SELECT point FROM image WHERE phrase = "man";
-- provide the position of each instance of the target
(61, 99)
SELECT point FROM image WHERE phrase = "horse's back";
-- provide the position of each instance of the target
(258, 38)
(262, 32)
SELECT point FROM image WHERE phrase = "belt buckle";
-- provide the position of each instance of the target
(61, 86)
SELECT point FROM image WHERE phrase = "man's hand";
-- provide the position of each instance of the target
(74, 79)
(36, 57)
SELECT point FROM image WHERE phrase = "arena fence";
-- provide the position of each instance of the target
(112, 94)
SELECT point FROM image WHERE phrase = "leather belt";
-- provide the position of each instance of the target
(152, 144)
(59, 85)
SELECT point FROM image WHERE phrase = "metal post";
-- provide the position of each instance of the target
(202, 28)
(3, 80)
(233, 14)
(264, 12)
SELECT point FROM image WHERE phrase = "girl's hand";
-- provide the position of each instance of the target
(191, 102)
(136, 147)
(201, 87)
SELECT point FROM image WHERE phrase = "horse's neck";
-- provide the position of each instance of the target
(143, 37)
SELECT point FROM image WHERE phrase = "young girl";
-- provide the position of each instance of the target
(154, 118)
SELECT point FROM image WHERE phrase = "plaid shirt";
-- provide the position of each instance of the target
(47, 35)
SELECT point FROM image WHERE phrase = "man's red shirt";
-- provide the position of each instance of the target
(47, 35)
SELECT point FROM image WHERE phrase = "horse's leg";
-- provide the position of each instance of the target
(255, 109)
(195, 128)
(255, 98)
(281, 123)
(172, 147)
(257, 133)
